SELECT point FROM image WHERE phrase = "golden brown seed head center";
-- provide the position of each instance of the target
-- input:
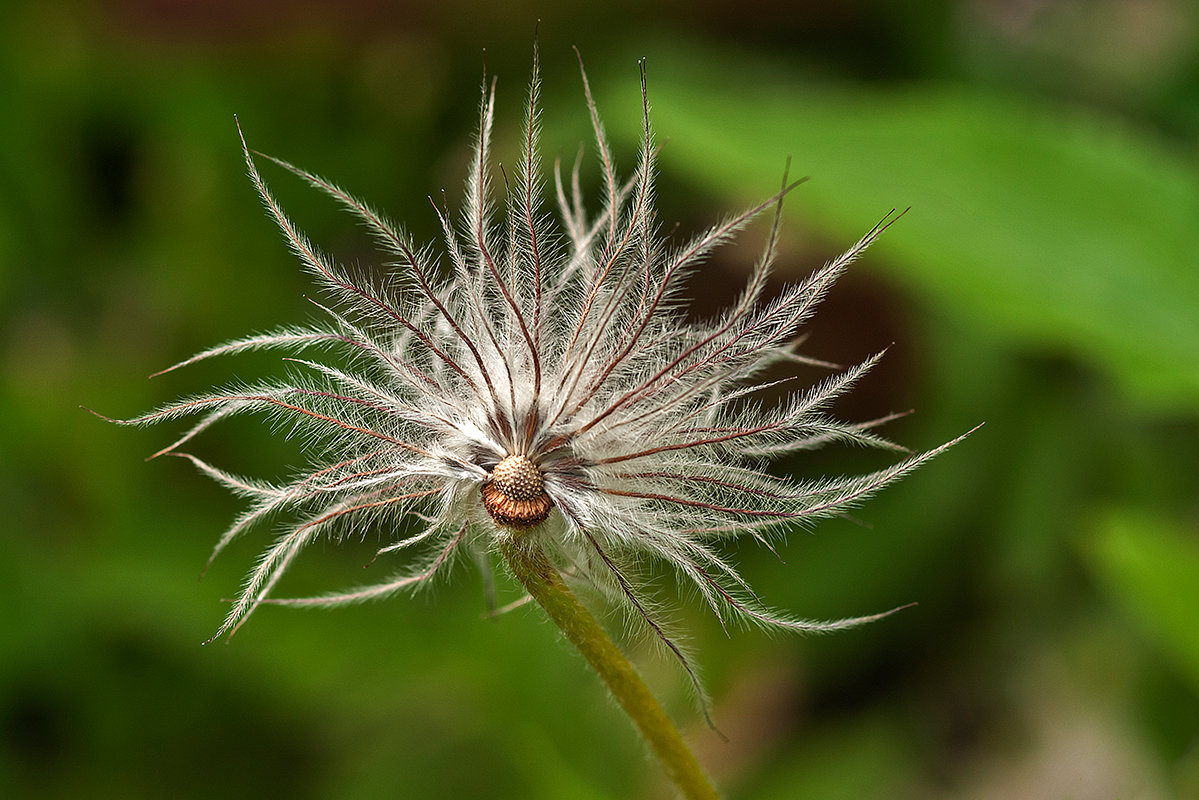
(515, 496)
(517, 478)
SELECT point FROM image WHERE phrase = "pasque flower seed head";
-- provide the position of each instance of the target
(541, 378)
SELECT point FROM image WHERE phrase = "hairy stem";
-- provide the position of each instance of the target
(545, 585)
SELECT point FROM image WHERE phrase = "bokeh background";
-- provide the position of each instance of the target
(1045, 282)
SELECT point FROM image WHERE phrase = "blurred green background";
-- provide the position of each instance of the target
(1044, 282)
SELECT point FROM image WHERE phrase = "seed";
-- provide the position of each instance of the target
(515, 496)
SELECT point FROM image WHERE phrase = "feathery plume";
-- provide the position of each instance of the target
(541, 383)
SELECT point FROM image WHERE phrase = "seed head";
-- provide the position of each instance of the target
(542, 380)
(515, 496)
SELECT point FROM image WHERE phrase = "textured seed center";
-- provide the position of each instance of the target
(517, 478)
(515, 495)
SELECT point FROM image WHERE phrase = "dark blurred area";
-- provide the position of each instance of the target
(1045, 282)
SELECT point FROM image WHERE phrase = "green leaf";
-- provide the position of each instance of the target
(1150, 566)
(1047, 226)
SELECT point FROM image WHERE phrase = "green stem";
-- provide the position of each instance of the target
(544, 583)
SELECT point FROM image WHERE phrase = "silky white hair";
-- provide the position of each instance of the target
(564, 342)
